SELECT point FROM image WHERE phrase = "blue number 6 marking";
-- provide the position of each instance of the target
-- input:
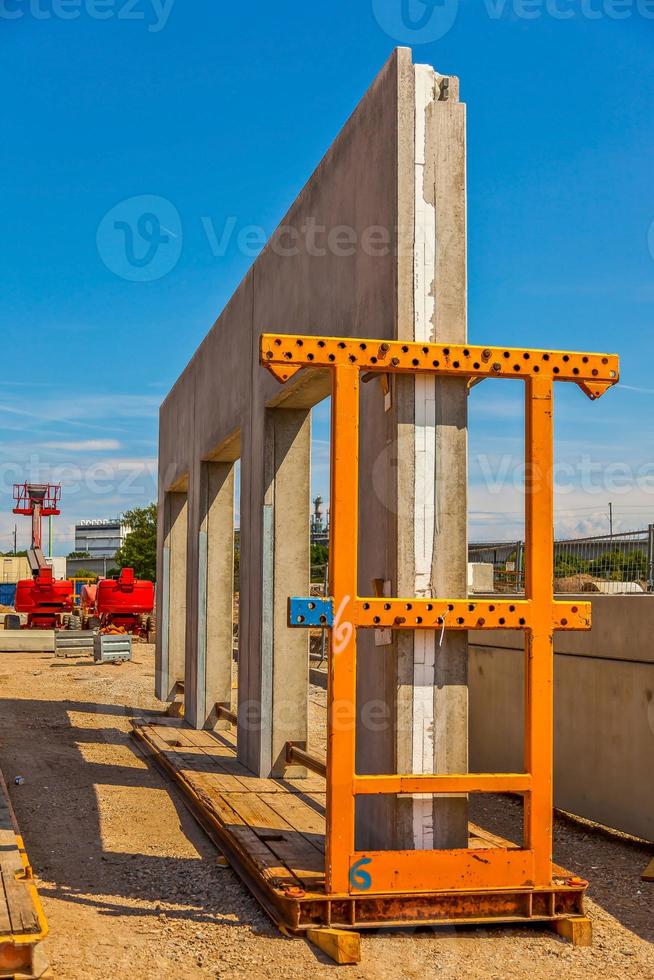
(359, 878)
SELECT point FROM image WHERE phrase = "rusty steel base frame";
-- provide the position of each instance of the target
(295, 911)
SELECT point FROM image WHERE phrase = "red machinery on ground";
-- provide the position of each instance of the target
(125, 603)
(44, 599)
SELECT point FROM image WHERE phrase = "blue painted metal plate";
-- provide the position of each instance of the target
(303, 613)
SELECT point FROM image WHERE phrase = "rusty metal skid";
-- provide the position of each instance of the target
(297, 909)
(487, 883)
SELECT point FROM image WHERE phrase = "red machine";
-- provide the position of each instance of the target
(125, 603)
(87, 599)
(45, 600)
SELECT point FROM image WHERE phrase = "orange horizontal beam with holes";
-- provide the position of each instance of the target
(464, 614)
(285, 355)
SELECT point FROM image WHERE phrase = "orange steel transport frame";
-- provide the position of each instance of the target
(349, 872)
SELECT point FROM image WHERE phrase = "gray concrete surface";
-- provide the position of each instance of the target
(604, 712)
(27, 641)
(432, 529)
(172, 586)
(388, 199)
(210, 673)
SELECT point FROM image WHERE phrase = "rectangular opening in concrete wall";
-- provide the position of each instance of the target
(215, 569)
(279, 563)
(319, 534)
(496, 509)
(236, 582)
(172, 658)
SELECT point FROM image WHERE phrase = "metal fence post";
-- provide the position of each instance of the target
(519, 564)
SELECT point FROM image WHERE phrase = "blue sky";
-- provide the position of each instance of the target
(224, 110)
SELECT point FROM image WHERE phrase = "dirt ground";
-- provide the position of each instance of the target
(131, 887)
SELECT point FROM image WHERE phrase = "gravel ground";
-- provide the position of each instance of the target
(132, 889)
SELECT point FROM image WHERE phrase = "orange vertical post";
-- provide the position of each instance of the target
(341, 693)
(539, 730)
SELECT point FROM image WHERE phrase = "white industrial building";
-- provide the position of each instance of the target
(100, 539)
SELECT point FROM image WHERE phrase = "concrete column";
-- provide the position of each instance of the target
(210, 683)
(432, 460)
(273, 687)
(172, 597)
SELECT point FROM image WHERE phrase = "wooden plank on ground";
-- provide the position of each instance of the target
(222, 758)
(188, 761)
(222, 751)
(310, 784)
(217, 806)
(10, 859)
(10, 864)
(20, 905)
(480, 838)
(293, 841)
(5, 921)
(271, 868)
(19, 913)
(299, 815)
(305, 861)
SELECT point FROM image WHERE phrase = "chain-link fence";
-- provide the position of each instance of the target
(611, 563)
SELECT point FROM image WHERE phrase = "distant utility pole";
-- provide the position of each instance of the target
(611, 519)
(15, 539)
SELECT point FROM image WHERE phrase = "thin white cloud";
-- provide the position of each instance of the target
(85, 446)
(641, 391)
(80, 410)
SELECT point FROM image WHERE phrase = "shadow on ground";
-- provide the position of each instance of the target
(58, 810)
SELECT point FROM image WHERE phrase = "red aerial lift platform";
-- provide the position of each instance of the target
(43, 598)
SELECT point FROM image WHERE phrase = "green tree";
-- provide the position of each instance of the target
(79, 554)
(139, 550)
(319, 558)
(567, 564)
(620, 566)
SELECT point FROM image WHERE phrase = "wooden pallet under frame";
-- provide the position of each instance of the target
(273, 833)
